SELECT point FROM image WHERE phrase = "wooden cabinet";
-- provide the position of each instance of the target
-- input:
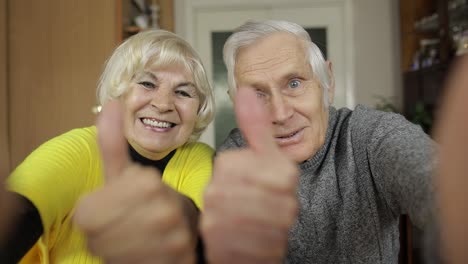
(428, 33)
(52, 53)
(425, 21)
(423, 89)
(165, 15)
(55, 52)
(4, 143)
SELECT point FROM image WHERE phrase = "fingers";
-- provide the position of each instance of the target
(252, 119)
(251, 202)
(114, 148)
(262, 245)
(246, 167)
(137, 187)
(253, 206)
(149, 223)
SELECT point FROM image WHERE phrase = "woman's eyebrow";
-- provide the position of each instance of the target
(149, 74)
(186, 84)
(145, 74)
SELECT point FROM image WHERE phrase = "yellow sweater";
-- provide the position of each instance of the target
(63, 169)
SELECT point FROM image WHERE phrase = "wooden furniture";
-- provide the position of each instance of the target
(423, 86)
(52, 53)
(55, 52)
(128, 12)
(4, 143)
(428, 21)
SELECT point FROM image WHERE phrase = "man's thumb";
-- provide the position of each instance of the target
(253, 121)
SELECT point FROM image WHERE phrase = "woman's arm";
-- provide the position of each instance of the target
(24, 232)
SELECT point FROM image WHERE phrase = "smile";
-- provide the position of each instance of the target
(288, 139)
(156, 124)
(288, 136)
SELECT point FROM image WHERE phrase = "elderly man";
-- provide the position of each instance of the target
(302, 180)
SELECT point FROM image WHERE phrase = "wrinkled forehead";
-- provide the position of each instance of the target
(275, 42)
(274, 52)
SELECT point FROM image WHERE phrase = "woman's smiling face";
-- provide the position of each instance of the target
(160, 110)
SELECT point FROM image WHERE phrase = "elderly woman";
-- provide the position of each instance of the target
(165, 103)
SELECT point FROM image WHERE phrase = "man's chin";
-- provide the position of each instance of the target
(297, 154)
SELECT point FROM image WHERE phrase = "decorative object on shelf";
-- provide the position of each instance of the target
(427, 55)
(154, 7)
(140, 15)
(142, 20)
(427, 23)
(462, 43)
(458, 11)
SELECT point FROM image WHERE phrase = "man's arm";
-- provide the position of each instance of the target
(402, 159)
(452, 177)
(251, 201)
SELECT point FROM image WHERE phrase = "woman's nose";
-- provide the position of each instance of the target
(162, 100)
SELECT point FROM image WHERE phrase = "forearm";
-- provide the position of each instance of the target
(6, 209)
(192, 214)
(24, 232)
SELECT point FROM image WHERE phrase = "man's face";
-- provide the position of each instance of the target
(277, 68)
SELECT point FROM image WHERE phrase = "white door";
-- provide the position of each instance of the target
(206, 24)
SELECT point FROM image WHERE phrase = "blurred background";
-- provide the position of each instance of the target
(392, 55)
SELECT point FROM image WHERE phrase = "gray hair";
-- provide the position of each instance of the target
(252, 31)
(156, 48)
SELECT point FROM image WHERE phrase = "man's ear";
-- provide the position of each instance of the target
(331, 88)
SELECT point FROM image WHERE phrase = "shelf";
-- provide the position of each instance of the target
(427, 24)
(433, 68)
(458, 18)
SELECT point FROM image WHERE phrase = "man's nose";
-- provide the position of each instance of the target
(281, 108)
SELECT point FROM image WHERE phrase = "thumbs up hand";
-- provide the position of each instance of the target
(451, 181)
(134, 217)
(251, 202)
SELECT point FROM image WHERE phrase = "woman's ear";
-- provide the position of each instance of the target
(331, 88)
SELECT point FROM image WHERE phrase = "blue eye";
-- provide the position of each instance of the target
(294, 84)
(260, 93)
(148, 85)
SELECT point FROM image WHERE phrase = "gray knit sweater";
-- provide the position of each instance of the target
(373, 167)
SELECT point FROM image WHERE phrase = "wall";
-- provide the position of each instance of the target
(377, 54)
(375, 47)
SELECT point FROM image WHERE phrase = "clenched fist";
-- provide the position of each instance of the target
(251, 202)
(134, 217)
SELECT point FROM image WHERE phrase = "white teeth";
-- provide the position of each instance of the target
(288, 136)
(155, 123)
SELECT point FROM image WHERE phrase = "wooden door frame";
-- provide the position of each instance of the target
(186, 20)
(4, 127)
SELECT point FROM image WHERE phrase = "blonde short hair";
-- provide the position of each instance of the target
(156, 48)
